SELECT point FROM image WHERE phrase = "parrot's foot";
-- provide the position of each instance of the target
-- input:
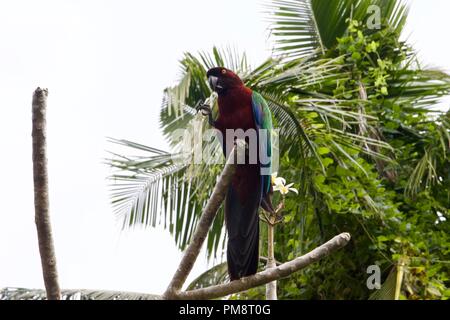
(204, 109)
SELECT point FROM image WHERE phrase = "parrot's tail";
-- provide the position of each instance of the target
(242, 221)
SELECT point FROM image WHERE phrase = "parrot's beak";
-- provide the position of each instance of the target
(213, 82)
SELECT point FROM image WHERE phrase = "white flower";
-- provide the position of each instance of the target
(277, 180)
(280, 185)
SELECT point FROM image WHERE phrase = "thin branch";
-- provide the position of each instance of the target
(271, 287)
(268, 275)
(265, 259)
(207, 217)
(41, 202)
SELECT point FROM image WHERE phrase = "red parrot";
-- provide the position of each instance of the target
(242, 108)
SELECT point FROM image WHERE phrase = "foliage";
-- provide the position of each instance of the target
(359, 136)
(392, 209)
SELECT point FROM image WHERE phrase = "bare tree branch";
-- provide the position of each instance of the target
(206, 219)
(271, 287)
(41, 202)
(267, 275)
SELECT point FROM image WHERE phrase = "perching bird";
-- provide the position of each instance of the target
(242, 108)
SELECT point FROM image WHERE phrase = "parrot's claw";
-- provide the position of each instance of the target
(204, 109)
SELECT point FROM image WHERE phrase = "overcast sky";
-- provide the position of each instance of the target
(105, 64)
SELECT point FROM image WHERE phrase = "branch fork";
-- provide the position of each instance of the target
(174, 290)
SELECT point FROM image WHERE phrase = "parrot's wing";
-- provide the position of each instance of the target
(263, 122)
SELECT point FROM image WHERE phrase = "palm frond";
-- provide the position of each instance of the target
(73, 294)
(423, 174)
(418, 88)
(213, 276)
(164, 186)
(193, 86)
(310, 27)
(435, 155)
(388, 288)
(216, 275)
(307, 74)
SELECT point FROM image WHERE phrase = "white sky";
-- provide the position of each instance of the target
(105, 64)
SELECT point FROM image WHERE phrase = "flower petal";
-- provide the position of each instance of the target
(273, 177)
(289, 185)
(280, 181)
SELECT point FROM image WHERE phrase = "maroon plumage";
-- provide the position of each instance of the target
(245, 192)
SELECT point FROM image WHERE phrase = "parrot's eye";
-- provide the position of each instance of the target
(224, 71)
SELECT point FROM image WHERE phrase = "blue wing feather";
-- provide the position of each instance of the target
(263, 122)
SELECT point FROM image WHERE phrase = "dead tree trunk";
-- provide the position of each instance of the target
(41, 202)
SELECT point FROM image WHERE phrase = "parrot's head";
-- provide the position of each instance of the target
(221, 80)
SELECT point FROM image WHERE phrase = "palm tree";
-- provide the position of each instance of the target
(329, 83)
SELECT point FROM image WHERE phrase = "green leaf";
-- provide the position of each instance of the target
(323, 150)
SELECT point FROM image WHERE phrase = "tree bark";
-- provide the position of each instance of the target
(206, 219)
(271, 287)
(41, 201)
